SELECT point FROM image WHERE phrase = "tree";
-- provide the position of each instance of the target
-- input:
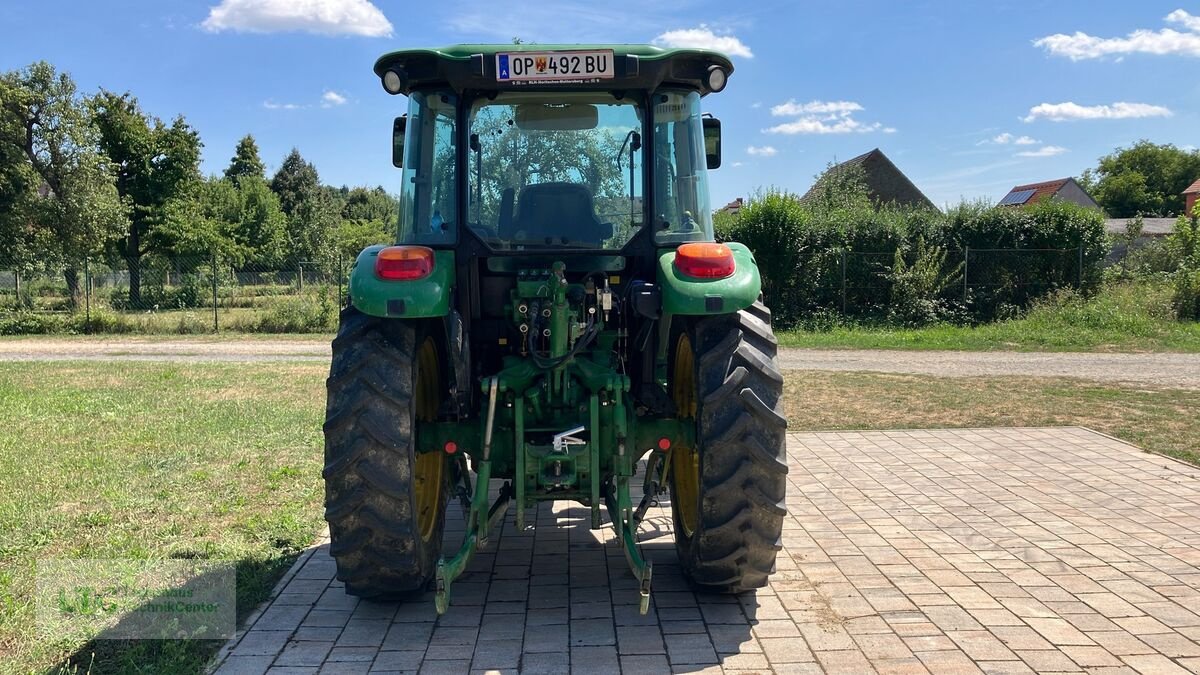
(312, 212)
(154, 163)
(246, 161)
(1143, 179)
(240, 223)
(48, 125)
(262, 228)
(376, 204)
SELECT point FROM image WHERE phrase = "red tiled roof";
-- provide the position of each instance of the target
(1193, 188)
(1042, 191)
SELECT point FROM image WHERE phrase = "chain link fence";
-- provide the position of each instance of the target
(979, 284)
(172, 295)
(206, 294)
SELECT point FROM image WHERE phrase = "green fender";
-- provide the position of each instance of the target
(687, 296)
(417, 299)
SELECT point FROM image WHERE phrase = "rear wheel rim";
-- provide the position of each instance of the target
(429, 467)
(685, 462)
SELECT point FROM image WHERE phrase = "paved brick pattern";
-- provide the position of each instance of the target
(1001, 550)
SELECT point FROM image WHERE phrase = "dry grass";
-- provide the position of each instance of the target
(1162, 420)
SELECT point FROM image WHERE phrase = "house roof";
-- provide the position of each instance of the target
(886, 183)
(733, 206)
(1193, 188)
(1033, 192)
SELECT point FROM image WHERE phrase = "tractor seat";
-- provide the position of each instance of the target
(559, 210)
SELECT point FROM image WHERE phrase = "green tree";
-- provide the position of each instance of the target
(376, 204)
(1144, 179)
(246, 161)
(312, 211)
(240, 223)
(45, 121)
(840, 186)
(262, 228)
(154, 163)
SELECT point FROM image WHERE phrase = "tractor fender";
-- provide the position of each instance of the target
(687, 296)
(410, 299)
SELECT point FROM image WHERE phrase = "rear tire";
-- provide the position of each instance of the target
(727, 494)
(385, 504)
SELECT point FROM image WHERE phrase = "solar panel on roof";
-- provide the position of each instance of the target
(1017, 197)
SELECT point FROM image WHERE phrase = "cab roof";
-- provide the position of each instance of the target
(473, 67)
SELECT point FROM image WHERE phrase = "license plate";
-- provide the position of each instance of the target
(570, 66)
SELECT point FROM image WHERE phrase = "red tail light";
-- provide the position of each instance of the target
(404, 263)
(704, 260)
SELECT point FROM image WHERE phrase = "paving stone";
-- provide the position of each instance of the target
(1004, 551)
(304, 654)
(245, 665)
(262, 643)
(690, 649)
(398, 660)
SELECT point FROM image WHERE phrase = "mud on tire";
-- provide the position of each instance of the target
(740, 441)
(371, 500)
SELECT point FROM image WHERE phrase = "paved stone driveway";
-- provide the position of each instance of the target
(1002, 550)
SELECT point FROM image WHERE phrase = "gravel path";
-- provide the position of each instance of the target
(1178, 371)
(1181, 371)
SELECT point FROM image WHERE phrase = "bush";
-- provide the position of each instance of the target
(99, 320)
(917, 288)
(304, 314)
(811, 252)
(29, 323)
(1187, 295)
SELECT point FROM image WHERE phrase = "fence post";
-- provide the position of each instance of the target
(1079, 282)
(966, 268)
(87, 296)
(301, 275)
(339, 271)
(843, 282)
(216, 326)
(17, 283)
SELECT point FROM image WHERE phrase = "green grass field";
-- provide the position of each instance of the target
(1122, 318)
(151, 460)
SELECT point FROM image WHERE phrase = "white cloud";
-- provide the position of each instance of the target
(704, 38)
(328, 100)
(1069, 111)
(814, 108)
(324, 17)
(1007, 138)
(762, 151)
(1044, 151)
(736, 164)
(1166, 41)
(823, 117)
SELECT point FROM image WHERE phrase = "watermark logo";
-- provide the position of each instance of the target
(136, 599)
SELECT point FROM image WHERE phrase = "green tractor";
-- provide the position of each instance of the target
(555, 310)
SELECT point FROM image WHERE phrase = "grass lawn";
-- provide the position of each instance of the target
(145, 460)
(153, 460)
(1165, 421)
(1122, 318)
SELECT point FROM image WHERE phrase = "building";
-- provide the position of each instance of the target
(886, 183)
(1065, 189)
(734, 207)
(1189, 196)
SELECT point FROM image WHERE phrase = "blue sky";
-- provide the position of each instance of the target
(967, 97)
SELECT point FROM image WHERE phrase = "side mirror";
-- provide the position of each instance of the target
(712, 142)
(398, 127)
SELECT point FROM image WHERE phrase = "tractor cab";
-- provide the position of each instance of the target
(524, 148)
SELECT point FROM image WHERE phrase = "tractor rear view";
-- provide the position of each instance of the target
(554, 311)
